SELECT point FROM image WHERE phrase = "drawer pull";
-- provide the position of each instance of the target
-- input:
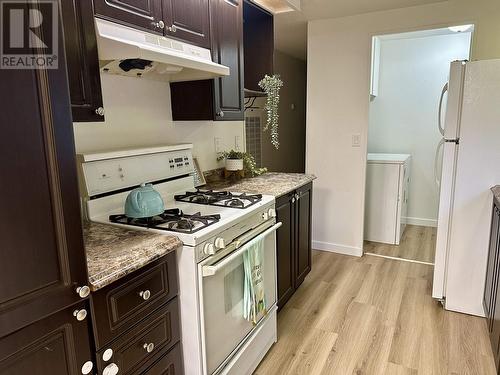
(149, 347)
(111, 369)
(145, 294)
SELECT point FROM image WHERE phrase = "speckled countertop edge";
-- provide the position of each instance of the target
(271, 183)
(496, 192)
(114, 252)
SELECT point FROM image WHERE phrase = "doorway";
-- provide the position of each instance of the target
(409, 71)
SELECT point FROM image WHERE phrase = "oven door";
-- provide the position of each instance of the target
(222, 283)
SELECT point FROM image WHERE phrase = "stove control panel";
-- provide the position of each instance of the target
(107, 175)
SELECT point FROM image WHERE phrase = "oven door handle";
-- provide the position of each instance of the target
(213, 269)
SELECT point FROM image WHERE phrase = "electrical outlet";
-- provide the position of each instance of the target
(217, 144)
(237, 143)
(356, 140)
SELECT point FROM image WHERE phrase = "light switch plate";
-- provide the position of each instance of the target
(217, 144)
(237, 143)
(356, 140)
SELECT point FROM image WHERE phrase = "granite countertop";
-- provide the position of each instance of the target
(496, 192)
(272, 183)
(113, 252)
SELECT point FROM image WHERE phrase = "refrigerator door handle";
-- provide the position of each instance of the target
(440, 111)
(437, 175)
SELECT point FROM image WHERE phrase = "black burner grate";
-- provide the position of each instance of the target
(219, 198)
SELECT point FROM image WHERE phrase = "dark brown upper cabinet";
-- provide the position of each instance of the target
(185, 20)
(222, 98)
(82, 61)
(258, 32)
(141, 14)
(188, 20)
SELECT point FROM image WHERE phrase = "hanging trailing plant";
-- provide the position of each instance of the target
(271, 86)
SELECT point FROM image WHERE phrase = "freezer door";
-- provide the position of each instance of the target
(454, 101)
(447, 182)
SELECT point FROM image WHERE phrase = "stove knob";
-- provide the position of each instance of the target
(219, 243)
(209, 249)
(265, 216)
(271, 212)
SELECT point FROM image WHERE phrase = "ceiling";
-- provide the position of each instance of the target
(291, 27)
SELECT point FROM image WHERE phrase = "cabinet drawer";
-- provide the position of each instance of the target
(169, 364)
(121, 305)
(130, 351)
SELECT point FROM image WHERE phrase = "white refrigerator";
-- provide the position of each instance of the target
(470, 167)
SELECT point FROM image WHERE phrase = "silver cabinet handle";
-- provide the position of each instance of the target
(161, 24)
(80, 314)
(145, 294)
(111, 369)
(99, 111)
(149, 347)
(297, 196)
(83, 291)
(173, 28)
(293, 200)
(220, 113)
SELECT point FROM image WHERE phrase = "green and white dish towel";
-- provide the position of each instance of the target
(254, 301)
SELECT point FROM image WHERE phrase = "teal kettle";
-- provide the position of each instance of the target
(143, 202)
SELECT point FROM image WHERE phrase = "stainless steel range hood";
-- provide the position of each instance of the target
(134, 53)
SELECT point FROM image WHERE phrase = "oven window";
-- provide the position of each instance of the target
(233, 290)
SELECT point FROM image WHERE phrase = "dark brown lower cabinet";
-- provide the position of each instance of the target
(55, 345)
(293, 210)
(491, 299)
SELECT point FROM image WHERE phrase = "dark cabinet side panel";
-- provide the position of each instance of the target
(304, 207)
(142, 14)
(285, 249)
(82, 60)
(188, 20)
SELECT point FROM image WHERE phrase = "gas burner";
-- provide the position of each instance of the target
(170, 220)
(219, 198)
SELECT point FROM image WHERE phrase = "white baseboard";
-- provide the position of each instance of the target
(336, 248)
(420, 221)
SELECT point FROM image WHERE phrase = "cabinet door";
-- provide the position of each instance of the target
(188, 20)
(57, 345)
(285, 247)
(303, 252)
(42, 259)
(227, 24)
(142, 14)
(492, 268)
(82, 61)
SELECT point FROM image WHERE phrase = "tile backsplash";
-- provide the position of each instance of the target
(253, 137)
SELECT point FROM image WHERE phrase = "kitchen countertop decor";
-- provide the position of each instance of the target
(114, 252)
(496, 192)
(272, 183)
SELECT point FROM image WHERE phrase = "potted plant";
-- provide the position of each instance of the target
(240, 161)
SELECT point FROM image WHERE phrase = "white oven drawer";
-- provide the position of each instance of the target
(221, 294)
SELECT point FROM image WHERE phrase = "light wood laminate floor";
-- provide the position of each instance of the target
(373, 316)
(417, 243)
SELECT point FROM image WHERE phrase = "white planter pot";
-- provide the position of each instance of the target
(234, 164)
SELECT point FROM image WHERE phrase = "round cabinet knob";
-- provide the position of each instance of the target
(219, 243)
(107, 355)
(83, 291)
(145, 294)
(87, 367)
(80, 314)
(161, 24)
(220, 113)
(265, 216)
(209, 249)
(100, 111)
(111, 369)
(149, 347)
(271, 212)
(173, 28)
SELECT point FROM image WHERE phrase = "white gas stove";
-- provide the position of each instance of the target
(216, 229)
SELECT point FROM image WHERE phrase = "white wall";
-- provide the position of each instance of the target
(138, 113)
(403, 116)
(338, 74)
